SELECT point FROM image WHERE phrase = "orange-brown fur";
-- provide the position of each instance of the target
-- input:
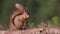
(18, 17)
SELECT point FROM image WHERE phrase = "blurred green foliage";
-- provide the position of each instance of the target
(55, 21)
(47, 11)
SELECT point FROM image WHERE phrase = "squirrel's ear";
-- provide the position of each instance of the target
(18, 6)
(26, 9)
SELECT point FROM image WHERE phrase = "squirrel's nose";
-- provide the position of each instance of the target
(26, 16)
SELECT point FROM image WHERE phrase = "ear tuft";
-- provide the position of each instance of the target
(18, 6)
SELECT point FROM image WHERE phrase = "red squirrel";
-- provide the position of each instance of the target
(19, 17)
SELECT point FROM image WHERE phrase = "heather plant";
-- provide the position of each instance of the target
(3, 27)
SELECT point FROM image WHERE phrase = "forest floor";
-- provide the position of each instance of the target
(50, 30)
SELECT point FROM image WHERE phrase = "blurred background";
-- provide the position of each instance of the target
(41, 11)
